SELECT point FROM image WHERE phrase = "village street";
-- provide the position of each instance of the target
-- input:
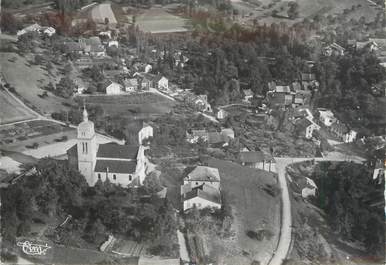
(286, 218)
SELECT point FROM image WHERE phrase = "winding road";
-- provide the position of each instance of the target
(286, 218)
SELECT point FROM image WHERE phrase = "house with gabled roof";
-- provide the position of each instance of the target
(200, 197)
(305, 127)
(201, 175)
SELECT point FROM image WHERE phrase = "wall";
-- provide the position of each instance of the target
(200, 203)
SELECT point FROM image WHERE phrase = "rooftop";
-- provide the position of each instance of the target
(253, 157)
(201, 173)
(113, 150)
(205, 192)
(116, 166)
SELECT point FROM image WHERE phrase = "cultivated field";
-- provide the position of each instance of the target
(27, 80)
(158, 20)
(253, 209)
(11, 110)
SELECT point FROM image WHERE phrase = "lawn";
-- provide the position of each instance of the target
(158, 20)
(253, 209)
(28, 81)
(11, 110)
(145, 103)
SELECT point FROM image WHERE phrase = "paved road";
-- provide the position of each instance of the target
(286, 217)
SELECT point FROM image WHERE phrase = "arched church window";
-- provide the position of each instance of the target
(130, 177)
(114, 177)
(99, 175)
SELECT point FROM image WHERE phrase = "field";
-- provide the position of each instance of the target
(133, 104)
(19, 136)
(11, 110)
(307, 8)
(253, 209)
(27, 80)
(158, 20)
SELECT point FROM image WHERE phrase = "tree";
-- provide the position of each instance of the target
(293, 10)
(65, 87)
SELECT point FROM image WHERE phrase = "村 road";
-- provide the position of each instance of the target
(286, 218)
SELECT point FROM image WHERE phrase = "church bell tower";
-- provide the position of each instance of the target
(86, 148)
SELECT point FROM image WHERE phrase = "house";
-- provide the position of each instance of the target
(202, 197)
(248, 95)
(49, 31)
(212, 138)
(282, 89)
(148, 68)
(333, 49)
(196, 135)
(120, 164)
(296, 86)
(113, 43)
(222, 114)
(305, 127)
(298, 101)
(93, 46)
(130, 84)
(201, 175)
(201, 102)
(342, 131)
(257, 159)
(326, 117)
(161, 82)
(281, 100)
(145, 132)
(105, 34)
(112, 88)
(31, 28)
(379, 170)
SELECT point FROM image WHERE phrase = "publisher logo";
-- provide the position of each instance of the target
(33, 249)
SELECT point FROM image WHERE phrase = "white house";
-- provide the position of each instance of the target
(145, 133)
(248, 95)
(201, 101)
(161, 83)
(130, 84)
(148, 68)
(350, 136)
(112, 88)
(113, 43)
(120, 164)
(306, 127)
(326, 117)
(31, 28)
(222, 114)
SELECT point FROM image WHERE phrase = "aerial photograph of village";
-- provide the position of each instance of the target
(192, 132)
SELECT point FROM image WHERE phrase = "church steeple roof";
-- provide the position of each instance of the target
(85, 114)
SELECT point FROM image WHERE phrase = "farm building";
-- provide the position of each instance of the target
(112, 88)
(121, 164)
(305, 128)
(222, 114)
(326, 117)
(130, 84)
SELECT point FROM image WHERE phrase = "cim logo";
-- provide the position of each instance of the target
(33, 249)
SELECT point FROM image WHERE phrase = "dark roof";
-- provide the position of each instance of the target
(280, 99)
(205, 192)
(116, 166)
(113, 150)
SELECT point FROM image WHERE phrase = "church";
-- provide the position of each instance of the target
(121, 164)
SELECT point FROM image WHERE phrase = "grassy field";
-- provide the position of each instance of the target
(132, 104)
(158, 20)
(11, 110)
(28, 80)
(253, 209)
